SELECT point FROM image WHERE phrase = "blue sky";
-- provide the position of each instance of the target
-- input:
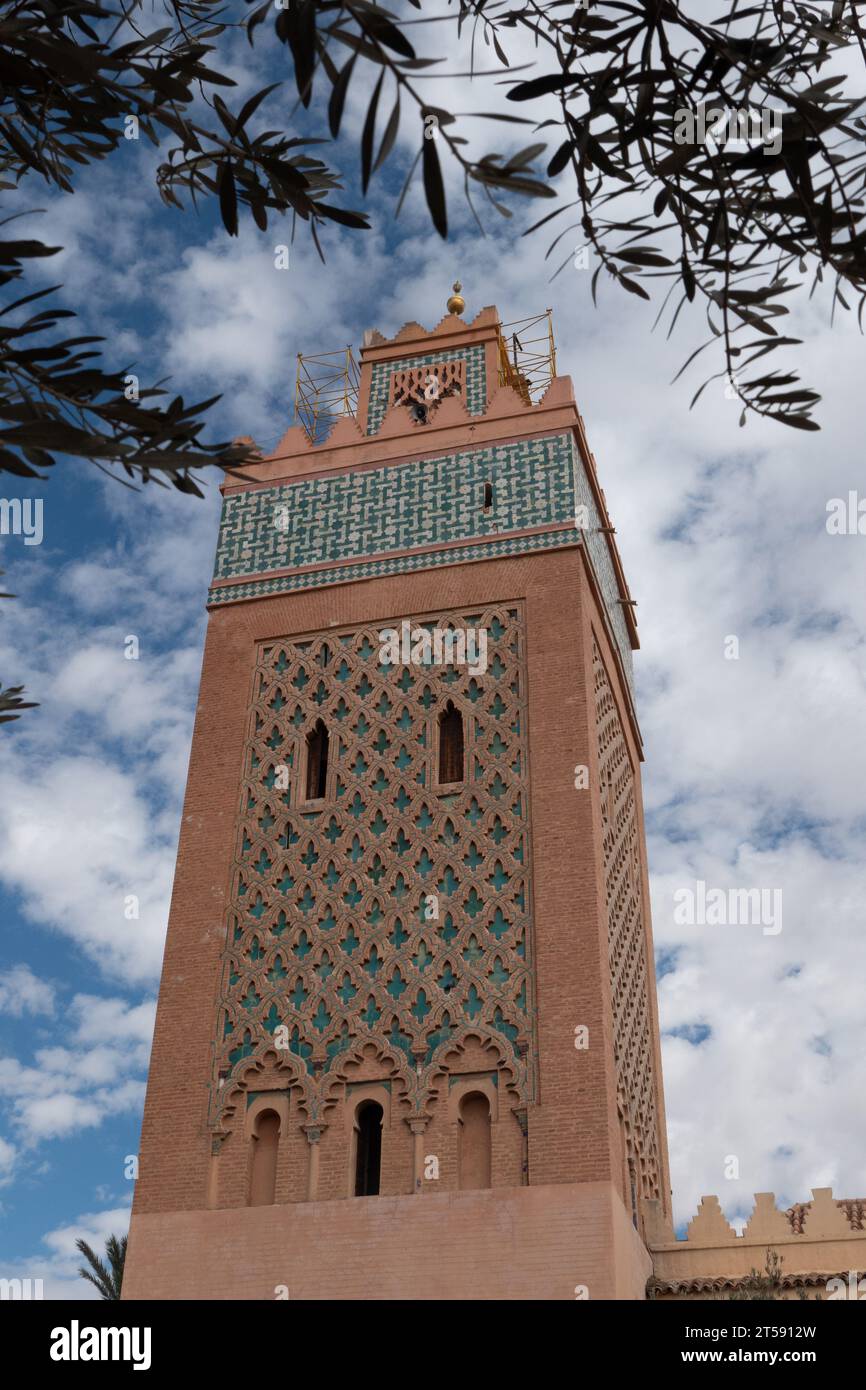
(755, 767)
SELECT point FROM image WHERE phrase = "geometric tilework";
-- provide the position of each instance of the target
(335, 530)
(476, 385)
(401, 564)
(318, 521)
(394, 907)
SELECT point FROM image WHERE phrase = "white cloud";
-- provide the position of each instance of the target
(8, 1158)
(23, 992)
(94, 1227)
(112, 1020)
(95, 776)
(234, 321)
(90, 1069)
(78, 845)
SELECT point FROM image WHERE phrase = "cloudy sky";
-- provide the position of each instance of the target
(755, 772)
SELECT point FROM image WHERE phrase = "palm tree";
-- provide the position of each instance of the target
(108, 1281)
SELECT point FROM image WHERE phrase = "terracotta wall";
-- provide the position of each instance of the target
(518, 1243)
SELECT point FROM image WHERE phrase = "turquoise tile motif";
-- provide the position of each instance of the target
(401, 564)
(476, 385)
(352, 523)
(358, 515)
(328, 928)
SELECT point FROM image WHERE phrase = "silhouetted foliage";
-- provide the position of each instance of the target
(108, 1280)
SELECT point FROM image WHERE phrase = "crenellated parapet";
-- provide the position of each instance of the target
(817, 1242)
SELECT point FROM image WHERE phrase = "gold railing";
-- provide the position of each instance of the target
(527, 355)
(326, 387)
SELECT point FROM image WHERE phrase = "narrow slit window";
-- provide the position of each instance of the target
(488, 496)
(317, 762)
(369, 1159)
(450, 745)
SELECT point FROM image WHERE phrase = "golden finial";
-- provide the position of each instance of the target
(456, 303)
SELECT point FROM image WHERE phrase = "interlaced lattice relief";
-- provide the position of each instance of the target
(427, 385)
(391, 908)
(633, 1050)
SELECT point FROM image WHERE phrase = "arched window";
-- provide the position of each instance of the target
(263, 1174)
(317, 762)
(450, 745)
(369, 1160)
(474, 1141)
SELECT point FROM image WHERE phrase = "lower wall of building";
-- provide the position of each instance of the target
(506, 1243)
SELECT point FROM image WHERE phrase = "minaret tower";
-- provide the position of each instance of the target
(407, 1042)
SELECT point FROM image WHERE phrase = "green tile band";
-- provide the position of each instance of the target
(348, 527)
(399, 507)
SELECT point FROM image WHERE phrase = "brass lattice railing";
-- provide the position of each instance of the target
(326, 387)
(527, 355)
